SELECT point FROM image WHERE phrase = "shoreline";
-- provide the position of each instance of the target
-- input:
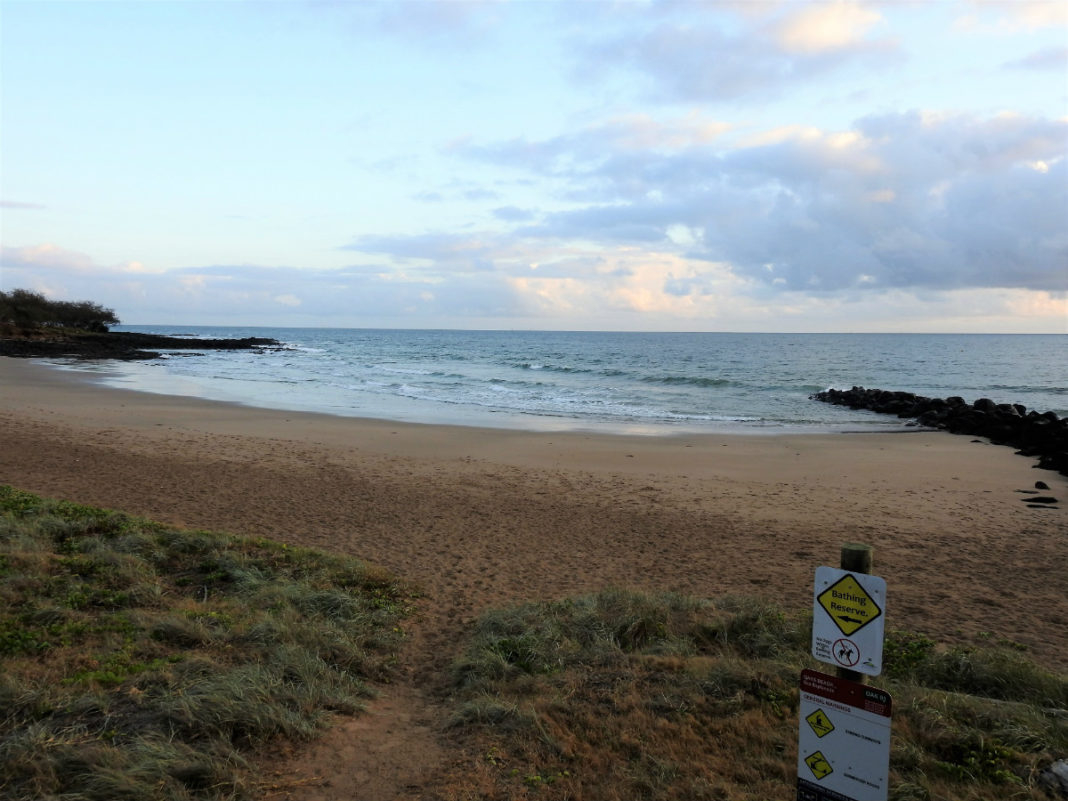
(79, 396)
(480, 518)
(429, 413)
(648, 384)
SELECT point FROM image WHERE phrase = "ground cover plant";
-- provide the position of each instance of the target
(627, 695)
(141, 661)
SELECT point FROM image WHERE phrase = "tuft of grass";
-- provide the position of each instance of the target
(634, 695)
(141, 661)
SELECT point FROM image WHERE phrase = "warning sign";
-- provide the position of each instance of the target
(819, 766)
(820, 723)
(847, 759)
(848, 612)
(849, 605)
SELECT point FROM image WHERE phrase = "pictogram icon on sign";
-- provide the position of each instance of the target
(845, 652)
(820, 723)
(819, 765)
(849, 605)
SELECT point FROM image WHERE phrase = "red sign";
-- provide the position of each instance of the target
(850, 693)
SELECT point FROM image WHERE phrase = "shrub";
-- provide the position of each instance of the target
(27, 309)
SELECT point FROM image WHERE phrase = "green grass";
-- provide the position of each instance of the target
(628, 695)
(144, 662)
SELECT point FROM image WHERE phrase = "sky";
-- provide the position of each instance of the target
(842, 166)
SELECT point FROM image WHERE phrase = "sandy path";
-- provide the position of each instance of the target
(478, 518)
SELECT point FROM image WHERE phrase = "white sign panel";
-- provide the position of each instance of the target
(844, 743)
(849, 610)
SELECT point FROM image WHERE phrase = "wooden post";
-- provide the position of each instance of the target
(856, 558)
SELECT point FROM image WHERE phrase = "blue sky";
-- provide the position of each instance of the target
(715, 166)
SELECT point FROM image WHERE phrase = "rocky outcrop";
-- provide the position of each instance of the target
(1039, 434)
(125, 345)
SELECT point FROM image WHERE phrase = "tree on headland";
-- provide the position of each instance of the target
(27, 309)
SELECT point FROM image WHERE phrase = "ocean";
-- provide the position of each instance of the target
(638, 383)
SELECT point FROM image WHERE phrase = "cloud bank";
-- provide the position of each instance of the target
(909, 200)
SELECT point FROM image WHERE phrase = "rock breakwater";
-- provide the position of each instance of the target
(1042, 435)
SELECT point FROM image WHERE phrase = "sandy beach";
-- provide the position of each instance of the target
(481, 517)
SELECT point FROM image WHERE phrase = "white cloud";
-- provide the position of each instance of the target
(696, 52)
(438, 23)
(782, 133)
(596, 287)
(1047, 58)
(458, 251)
(1012, 16)
(513, 214)
(18, 204)
(433, 20)
(633, 281)
(616, 138)
(51, 258)
(47, 256)
(881, 196)
(826, 27)
(918, 199)
(644, 132)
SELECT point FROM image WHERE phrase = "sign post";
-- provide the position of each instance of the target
(844, 740)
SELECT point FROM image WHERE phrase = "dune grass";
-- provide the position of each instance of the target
(139, 661)
(628, 695)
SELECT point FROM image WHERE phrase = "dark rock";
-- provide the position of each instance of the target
(125, 345)
(932, 418)
(1039, 435)
(1041, 485)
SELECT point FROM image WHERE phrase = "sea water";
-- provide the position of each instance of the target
(624, 382)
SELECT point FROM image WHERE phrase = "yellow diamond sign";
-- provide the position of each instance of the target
(819, 765)
(849, 605)
(820, 723)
